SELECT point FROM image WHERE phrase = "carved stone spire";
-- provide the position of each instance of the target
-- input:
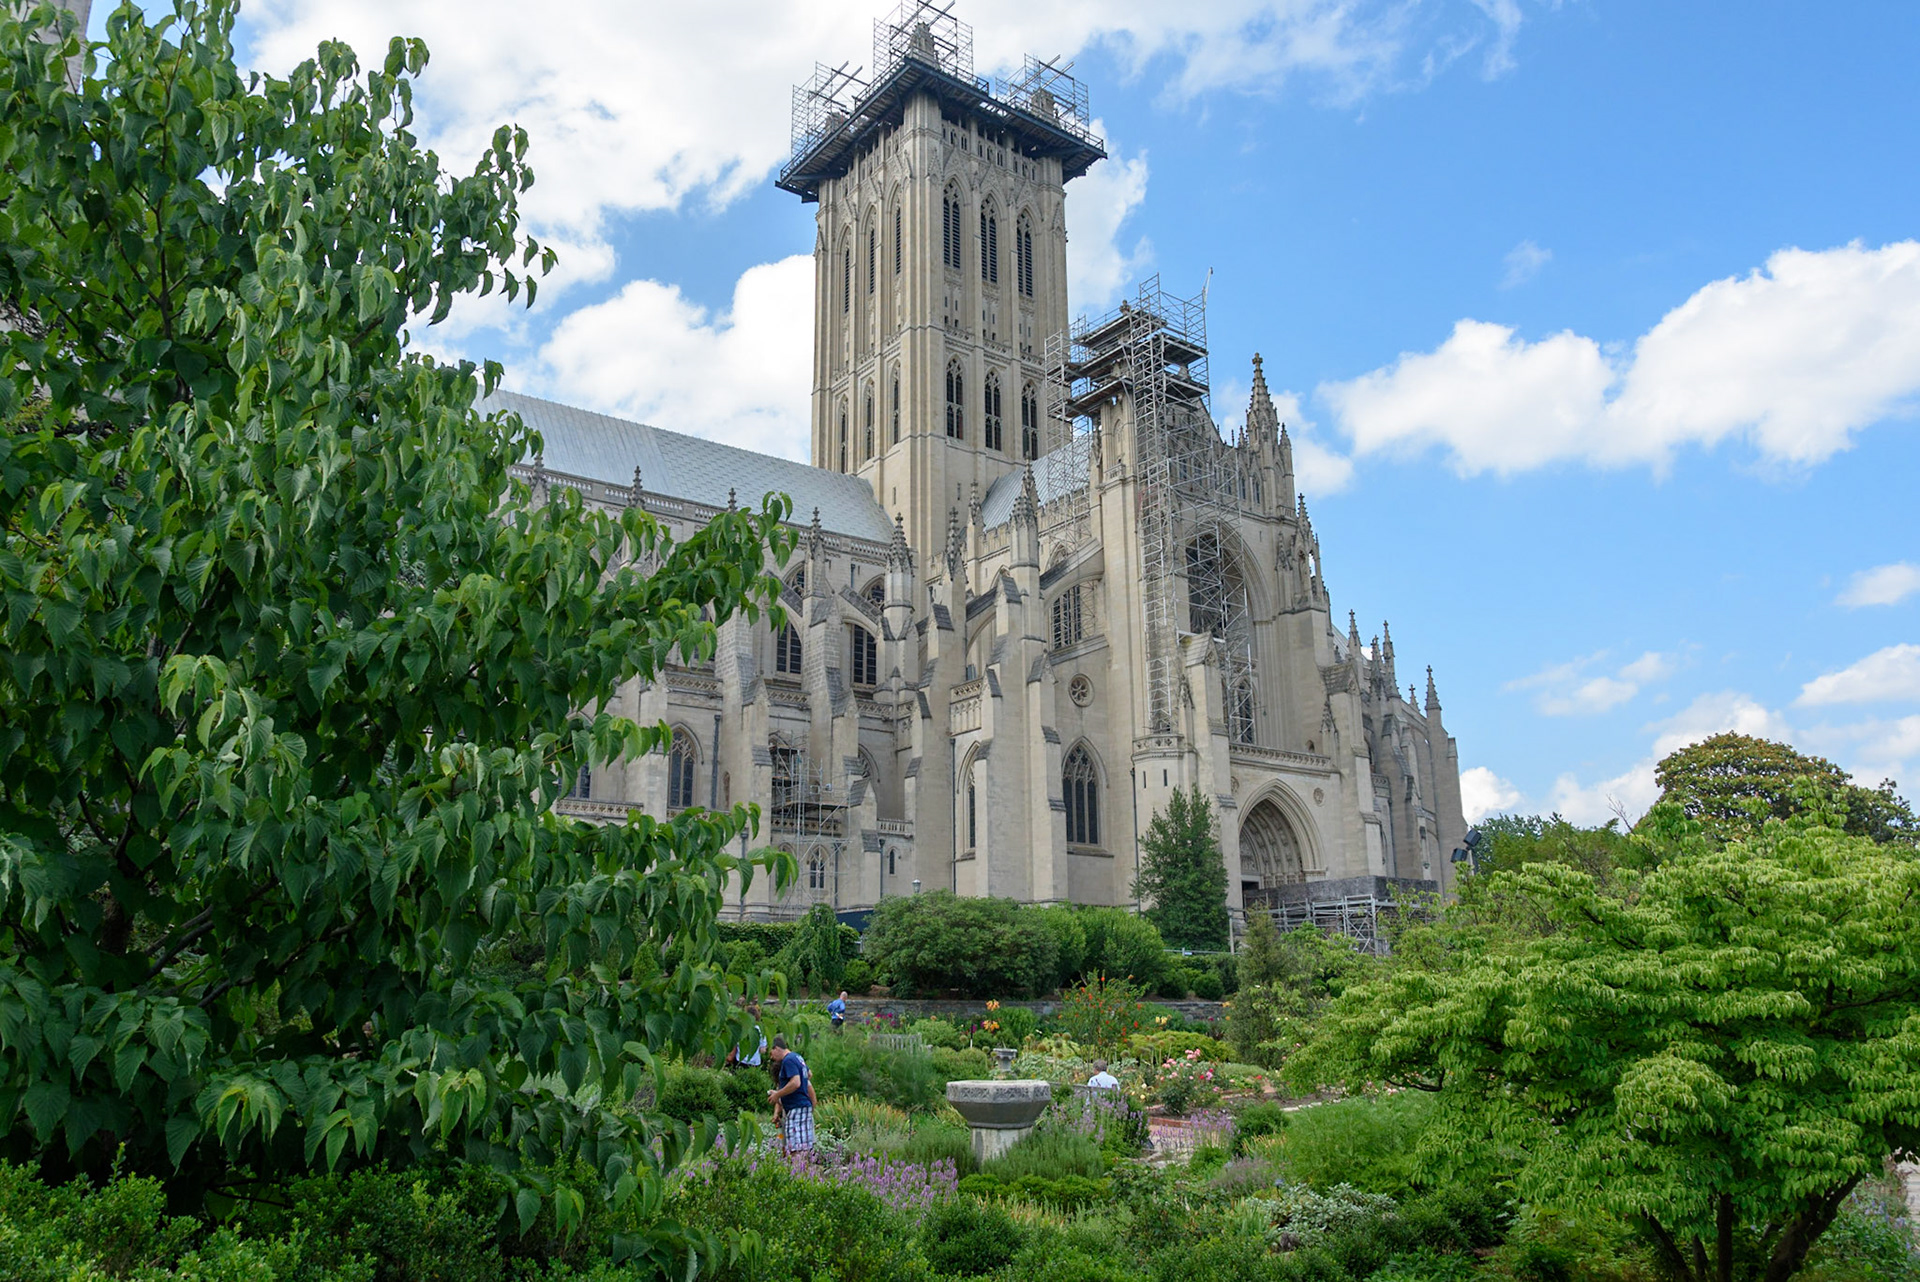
(1433, 695)
(956, 544)
(539, 478)
(1262, 418)
(1025, 523)
(633, 493)
(1386, 651)
(898, 557)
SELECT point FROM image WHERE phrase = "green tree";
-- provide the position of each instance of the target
(1261, 957)
(978, 947)
(289, 688)
(814, 957)
(1123, 945)
(1183, 874)
(1733, 783)
(1717, 1050)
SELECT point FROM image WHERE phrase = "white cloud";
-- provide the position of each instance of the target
(1523, 263)
(1098, 206)
(1317, 468)
(1792, 359)
(1882, 585)
(1629, 793)
(648, 353)
(1568, 689)
(1874, 749)
(1884, 675)
(1483, 793)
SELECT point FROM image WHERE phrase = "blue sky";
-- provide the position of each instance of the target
(1600, 322)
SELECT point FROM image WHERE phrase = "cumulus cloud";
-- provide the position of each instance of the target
(1882, 585)
(1883, 676)
(648, 353)
(648, 107)
(1874, 749)
(1483, 793)
(1628, 794)
(1523, 263)
(1318, 469)
(1792, 359)
(1574, 689)
(1098, 206)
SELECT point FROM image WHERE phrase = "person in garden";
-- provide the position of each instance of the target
(1102, 1080)
(735, 1059)
(792, 1097)
(837, 1010)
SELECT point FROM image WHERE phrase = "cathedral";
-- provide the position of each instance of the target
(1037, 590)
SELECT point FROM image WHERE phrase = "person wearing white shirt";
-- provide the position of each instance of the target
(1102, 1080)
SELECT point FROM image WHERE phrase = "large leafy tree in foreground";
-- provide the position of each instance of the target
(287, 689)
(1717, 1050)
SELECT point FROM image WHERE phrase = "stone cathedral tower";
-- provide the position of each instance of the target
(940, 258)
(1037, 589)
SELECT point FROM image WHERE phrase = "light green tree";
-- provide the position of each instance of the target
(1717, 1050)
(288, 689)
(1183, 875)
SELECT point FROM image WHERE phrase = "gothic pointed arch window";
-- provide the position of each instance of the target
(681, 760)
(787, 651)
(1023, 254)
(846, 280)
(817, 872)
(866, 428)
(990, 430)
(843, 438)
(582, 789)
(1080, 784)
(873, 257)
(989, 245)
(877, 592)
(863, 655)
(956, 402)
(950, 227)
(896, 240)
(896, 407)
(786, 769)
(1029, 422)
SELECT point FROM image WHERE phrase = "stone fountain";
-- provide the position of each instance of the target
(999, 1112)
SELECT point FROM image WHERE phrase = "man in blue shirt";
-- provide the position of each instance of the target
(837, 1010)
(791, 1097)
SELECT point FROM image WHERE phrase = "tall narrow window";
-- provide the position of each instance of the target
(786, 650)
(873, 256)
(817, 872)
(680, 772)
(973, 813)
(846, 281)
(843, 438)
(956, 403)
(950, 228)
(896, 408)
(786, 772)
(989, 247)
(863, 656)
(892, 867)
(896, 240)
(1067, 618)
(1081, 785)
(1023, 255)
(990, 430)
(583, 786)
(1029, 422)
(866, 429)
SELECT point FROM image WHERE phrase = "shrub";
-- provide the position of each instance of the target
(935, 1141)
(1257, 1120)
(961, 1065)
(1119, 943)
(1067, 1193)
(1175, 982)
(1101, 1013)
(691, 1093)
(1066, 925)
(1049, 1152)
(807, 1228)
(1017, 1024)
(935, 1031)
(1367, 1142)
(863, 1125)
(978, 947)
(1164, 1045)
(1208, 986)
(853, 1065)
(859, 977)
(815, 957)
(967, 1238)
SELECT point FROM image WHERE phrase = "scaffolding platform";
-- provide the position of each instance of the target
(1356, 907)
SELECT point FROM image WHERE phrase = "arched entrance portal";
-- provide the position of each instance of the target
(1269, 855)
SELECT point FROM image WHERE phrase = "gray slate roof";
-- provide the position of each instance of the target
(603, 448)
(1056, 474)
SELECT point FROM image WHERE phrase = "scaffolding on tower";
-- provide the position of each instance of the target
(809, 816)
(1192, 484)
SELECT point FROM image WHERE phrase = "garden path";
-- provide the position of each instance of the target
(1909, 1173)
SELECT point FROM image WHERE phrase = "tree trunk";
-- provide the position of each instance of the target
(1804, 1229)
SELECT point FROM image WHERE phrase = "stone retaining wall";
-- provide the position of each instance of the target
(908, 1009)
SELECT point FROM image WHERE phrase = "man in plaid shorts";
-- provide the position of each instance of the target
(792, 1097)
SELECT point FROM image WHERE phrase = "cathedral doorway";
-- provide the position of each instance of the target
(1269, 855)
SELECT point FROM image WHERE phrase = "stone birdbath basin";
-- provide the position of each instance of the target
(999, 1112)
